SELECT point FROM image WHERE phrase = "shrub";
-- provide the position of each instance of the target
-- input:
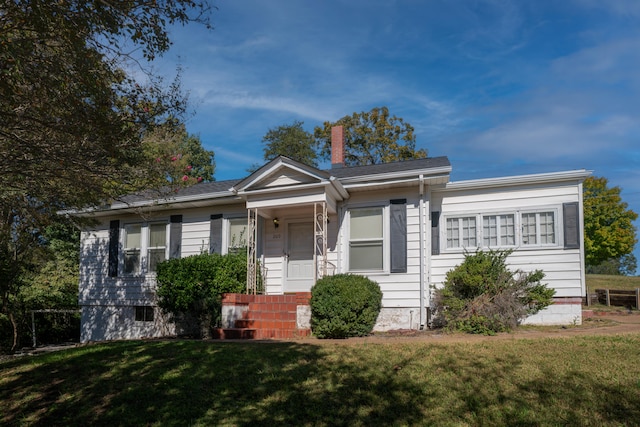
(483, 296)
(344, 305)
(192, 287)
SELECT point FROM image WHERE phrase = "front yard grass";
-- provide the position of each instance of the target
(565, 381)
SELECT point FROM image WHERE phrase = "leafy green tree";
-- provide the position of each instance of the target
(371, 138)
(178, 156)
(291, 141)
(71, 118)
(608, 222)
(624, 266)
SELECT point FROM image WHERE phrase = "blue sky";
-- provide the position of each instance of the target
(500, 87)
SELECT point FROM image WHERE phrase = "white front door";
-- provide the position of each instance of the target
(299, 257)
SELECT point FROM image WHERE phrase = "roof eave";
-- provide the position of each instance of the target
(508, 181)
(120, 207)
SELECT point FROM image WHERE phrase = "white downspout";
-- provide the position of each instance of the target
(422, 248)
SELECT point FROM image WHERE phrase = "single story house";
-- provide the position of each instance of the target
(402, 224)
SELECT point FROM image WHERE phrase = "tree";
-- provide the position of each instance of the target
(291, 141)
(624, 266)
(71, 118)
(608, 222)
(177, 156)
(371, 138)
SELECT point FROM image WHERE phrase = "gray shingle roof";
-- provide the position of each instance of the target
(339, 172)
(384, 168)
(194, 190)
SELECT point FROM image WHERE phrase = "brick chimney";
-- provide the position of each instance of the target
(337, 147)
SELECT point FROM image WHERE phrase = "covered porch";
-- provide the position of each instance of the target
(292, 226)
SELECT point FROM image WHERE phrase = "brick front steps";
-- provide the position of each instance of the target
(264, 316)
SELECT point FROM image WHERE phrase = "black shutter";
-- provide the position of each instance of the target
(114, 243)
(175, 236)
(215, 234)
(435, 233)
(571, 225)
(398, 236)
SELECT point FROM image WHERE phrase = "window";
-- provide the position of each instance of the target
(366, 239)
(501, 230)
(461, 232)
(157, 248)
(147, 239)
(538, 228)
(498, 230)
(237, 235)
(132, 246)
(144, 313)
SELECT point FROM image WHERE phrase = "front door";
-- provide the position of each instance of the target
(299, 257)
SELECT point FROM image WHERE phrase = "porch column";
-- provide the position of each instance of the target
(252, 261)
(320, 238)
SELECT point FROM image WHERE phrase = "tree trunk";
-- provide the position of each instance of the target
(14, 325)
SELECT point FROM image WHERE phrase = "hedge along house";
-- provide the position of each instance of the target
(402, 224)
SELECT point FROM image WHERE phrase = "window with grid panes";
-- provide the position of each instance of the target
(461, 232)
(498, 230)
(538, 228)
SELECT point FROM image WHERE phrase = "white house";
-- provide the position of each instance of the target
(402, 224)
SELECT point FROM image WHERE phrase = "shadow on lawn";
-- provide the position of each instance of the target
(215, 383)
(194, 382)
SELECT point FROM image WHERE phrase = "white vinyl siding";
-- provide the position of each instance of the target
(562, 267)
(366, 244)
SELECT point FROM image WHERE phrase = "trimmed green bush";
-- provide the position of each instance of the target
(344, 305)
(192, 287)
(482, 296)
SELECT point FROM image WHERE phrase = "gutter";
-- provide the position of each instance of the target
(507, 181)
(422, 253)
(173, 202)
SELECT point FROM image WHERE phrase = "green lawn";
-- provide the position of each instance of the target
(602, 281)
(565, 381)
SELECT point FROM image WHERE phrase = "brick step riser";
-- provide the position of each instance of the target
(265, 324)
(269, 315)
(240, 333)
(254, 306)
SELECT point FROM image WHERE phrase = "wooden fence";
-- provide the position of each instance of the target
(626, 298)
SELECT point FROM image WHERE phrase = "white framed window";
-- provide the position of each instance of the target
(366, 239)
(498, 230)
(236, 234)
(144, 247)
(539, 228)
(461, 232)
(132, 248)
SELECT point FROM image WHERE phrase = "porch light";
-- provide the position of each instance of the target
(276, 223)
